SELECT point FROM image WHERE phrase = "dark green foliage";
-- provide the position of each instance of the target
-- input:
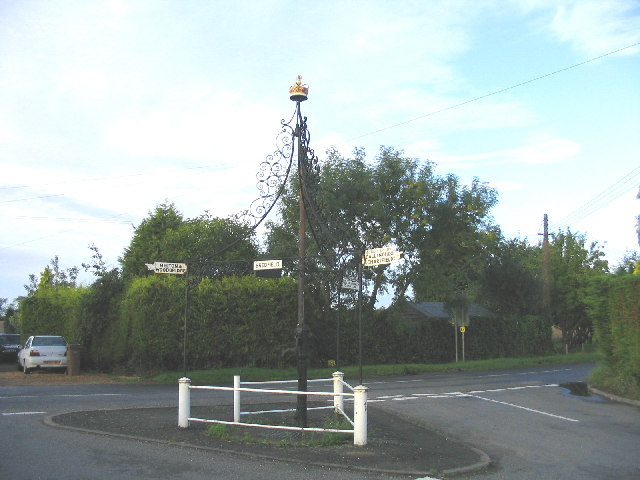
(235, 321)
(510, 283)
(100, 309)
(53, 311)
(615, 309)
(147, 242)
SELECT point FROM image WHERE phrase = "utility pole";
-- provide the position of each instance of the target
(546, 274)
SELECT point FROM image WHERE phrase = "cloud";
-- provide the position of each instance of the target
(598, 26)
(543, 151)
(196, 122)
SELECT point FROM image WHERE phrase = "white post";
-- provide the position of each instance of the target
(360, 415)
(338, 399)
(184, 402)
(236, 398)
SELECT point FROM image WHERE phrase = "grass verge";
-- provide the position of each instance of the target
(224, 376)
(605, 378)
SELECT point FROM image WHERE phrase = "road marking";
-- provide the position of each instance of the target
(22, 413)
(525, 408)
(416, 396)
(68, 395)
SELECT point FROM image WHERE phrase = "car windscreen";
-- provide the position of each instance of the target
(49, 342)
(9, 339)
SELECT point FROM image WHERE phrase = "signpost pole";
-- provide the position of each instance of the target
(338, 323)
(360, 316)
(455, 331)
(186, 309)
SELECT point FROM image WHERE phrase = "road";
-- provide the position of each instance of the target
(528, 424)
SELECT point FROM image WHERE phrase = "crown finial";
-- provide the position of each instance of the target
(298, 92)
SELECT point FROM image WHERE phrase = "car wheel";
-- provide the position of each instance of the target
(26, 370)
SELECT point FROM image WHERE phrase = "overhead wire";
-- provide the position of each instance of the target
(495, 92)
(604, 198)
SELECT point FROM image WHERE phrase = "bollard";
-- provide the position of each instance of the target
(236, 398)
(338, 399)
(184, 402)
(360, 415)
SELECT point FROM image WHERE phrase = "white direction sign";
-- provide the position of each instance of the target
(267, 265)
(349, 283)
(166, 267)
(381, 256)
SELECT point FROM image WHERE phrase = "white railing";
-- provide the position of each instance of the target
(359, 395)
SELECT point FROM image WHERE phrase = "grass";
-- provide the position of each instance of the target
(252, 435)
(224, 376)
(605, 378)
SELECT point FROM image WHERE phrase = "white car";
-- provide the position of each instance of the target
(43, 351)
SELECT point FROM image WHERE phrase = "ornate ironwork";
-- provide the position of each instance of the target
(273, 174)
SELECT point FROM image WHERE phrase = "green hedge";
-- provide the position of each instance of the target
(235, 321)
(53, 311)
(248, 321)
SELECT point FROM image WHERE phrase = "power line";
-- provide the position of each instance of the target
(496, 92)
(614, 191)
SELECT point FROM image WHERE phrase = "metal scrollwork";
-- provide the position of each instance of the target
(273, 174)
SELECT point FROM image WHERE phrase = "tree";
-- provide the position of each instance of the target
(443, 226)
(7, 315)
(573, 266)
(216, 246)
(146, 244)
(459, 237)
(510, 283)
(52, 277)
(165, 236)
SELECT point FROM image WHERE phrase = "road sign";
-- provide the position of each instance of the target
(166, 267)
(267, 265)
(462, 329)
(381, 256)
(349, 283)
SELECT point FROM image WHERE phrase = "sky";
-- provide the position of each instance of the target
(110, 108)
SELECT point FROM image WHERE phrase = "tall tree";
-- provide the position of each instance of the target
(573, 267)
(443, 227)
(510, 283)
(146, 244)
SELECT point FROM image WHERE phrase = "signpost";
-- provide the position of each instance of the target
(350, 283)
(267, 265)
(167, 267)
(381, 256)
(176, 269)
(372, 258)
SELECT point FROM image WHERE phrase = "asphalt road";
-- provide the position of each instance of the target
(528, 424)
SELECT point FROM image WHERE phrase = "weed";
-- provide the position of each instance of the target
(218, 430)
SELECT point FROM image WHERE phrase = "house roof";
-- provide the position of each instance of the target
(436, 310)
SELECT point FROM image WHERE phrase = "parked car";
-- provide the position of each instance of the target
(43, 351)
(9, 346)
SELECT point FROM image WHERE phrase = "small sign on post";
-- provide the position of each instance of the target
(350, 283)
(167, 267)
(268, 268)
(381, 256)
(267, 265)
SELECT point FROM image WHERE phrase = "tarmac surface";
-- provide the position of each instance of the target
(396, 445)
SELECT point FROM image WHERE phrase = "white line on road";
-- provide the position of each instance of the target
(526, 408)
(68, 395)
(22, 413)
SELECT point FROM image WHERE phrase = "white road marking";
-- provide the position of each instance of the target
(526, 408)
(22, 413)
(68, 395)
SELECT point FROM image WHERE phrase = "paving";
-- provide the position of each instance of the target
(397, 446)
